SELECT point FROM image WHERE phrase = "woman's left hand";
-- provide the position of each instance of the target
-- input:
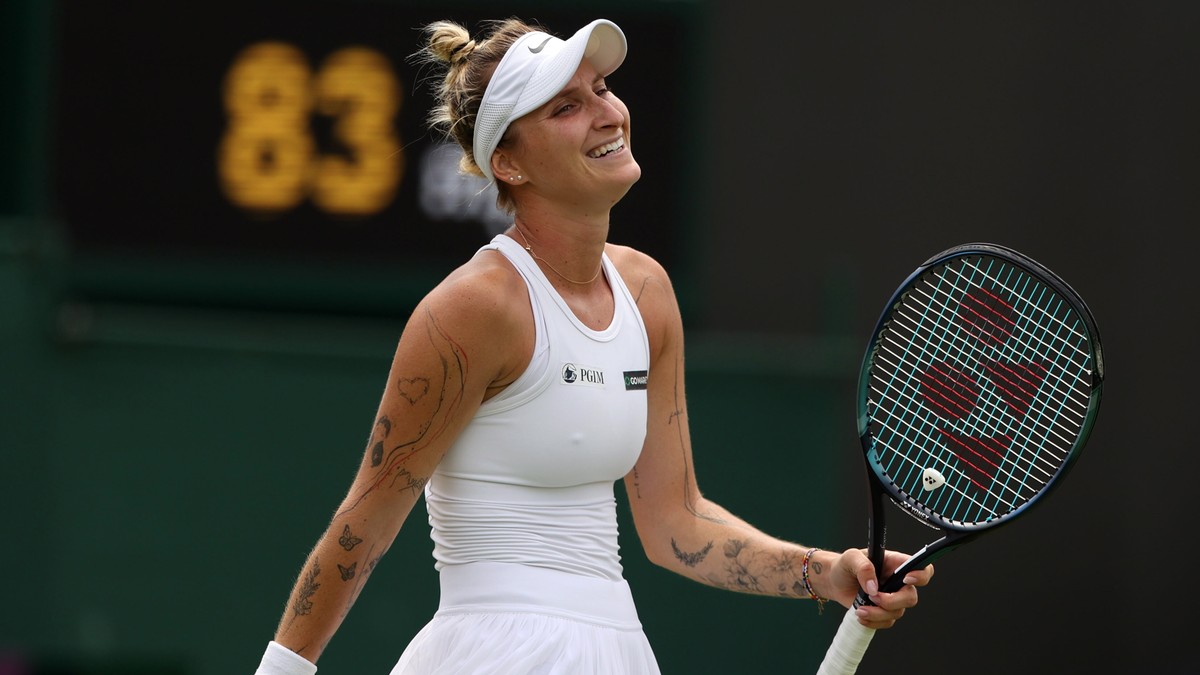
(853, 571)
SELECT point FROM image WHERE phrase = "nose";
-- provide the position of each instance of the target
(608, 114)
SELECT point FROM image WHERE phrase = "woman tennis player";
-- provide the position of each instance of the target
(526, 384)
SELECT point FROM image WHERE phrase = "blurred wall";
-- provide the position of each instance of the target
(170, 464)
(851, 142)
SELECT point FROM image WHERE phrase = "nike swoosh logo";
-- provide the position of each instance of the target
(539, 48)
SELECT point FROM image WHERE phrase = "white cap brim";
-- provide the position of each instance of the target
(534, 69)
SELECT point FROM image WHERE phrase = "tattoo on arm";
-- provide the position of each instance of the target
(676, 417)
(351, 574)
(783, 567)
(690, 559)
(303, 602)
(377, 451)
(438, 396)
(348, 540)
(410, 482)
(746, 570)
(637, 299)
(412, 389)
(739, 568)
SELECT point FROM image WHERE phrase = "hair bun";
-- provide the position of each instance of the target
(461, 52)
(449, 42)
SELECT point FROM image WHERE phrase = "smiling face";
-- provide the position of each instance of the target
(575, 148)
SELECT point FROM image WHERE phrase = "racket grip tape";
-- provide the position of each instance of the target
(848, 646)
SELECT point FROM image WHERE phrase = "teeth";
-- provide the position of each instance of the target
(605, 149)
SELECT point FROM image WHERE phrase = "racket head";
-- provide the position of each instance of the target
(979, 388)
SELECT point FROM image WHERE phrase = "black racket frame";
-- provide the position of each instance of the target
(957, 534)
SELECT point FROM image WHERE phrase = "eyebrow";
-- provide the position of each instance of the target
(567, 92)
(571, 88)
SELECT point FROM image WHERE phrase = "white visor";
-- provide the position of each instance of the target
(534, 69)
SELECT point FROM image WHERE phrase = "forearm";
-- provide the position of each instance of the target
(716, 548)
(327, 587)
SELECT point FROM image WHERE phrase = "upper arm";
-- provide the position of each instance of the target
(461, 340)
(662, 488)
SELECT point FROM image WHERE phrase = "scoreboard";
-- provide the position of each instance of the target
(245, 152)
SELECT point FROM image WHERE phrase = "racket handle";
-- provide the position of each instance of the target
(848, 646)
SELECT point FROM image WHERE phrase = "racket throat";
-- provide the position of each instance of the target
(926, 555)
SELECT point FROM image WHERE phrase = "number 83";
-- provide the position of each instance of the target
(267, 159)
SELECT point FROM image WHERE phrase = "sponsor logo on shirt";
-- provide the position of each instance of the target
(635, 379)
(576, 374)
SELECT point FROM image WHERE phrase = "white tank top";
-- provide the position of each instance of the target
(530, 480)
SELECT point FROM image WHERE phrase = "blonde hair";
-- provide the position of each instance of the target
(468, 66)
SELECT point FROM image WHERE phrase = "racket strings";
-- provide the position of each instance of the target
(979, 454)
(1054, 339)
(978, 363)
(908, 400)
(1038, 341)
(953, 347)
(922, 439)
(989, 417)
(984, 419)
(1041, 338)
(1017, 382)
(945, 356)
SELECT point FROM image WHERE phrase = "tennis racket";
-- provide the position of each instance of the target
(977, 393)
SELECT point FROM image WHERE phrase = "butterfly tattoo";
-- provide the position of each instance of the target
(348, 540)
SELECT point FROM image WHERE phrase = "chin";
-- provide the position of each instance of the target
(627, 178)
(623, 190)
(633, 172)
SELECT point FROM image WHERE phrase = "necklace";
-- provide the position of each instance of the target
(529, 250)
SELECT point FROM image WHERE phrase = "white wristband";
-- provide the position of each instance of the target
(279, 660)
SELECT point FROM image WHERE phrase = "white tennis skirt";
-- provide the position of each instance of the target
(509, 619)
